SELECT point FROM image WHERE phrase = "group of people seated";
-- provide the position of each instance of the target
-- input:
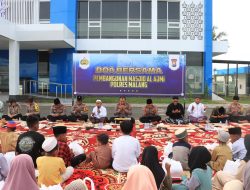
(55, 161)
(196, 112)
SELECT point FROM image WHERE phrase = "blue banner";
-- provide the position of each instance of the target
(129, 74)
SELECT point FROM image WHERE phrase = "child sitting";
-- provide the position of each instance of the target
(181, 148)
(64, 151)
(221, 153)
(52, 170)
(125, 149)
(101, 156)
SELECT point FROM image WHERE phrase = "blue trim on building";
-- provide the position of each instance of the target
(232, 71)
(61, 61)
(28, 63)
(64, 12)
(208, 44)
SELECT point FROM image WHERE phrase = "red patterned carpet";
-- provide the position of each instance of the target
(110, 179)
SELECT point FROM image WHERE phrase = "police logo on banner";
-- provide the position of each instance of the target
(174, 62)
(84, 62)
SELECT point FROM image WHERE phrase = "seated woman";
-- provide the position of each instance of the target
(139, 177)
(57, 111)
(21, 174)
(150, 159)
(235, 110)
(32, 109)
(219, 115)
(13, 111)
(201, 173)
(150, 113)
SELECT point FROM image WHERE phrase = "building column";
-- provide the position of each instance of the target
(154, 23)
(14, 51)
(208, 45)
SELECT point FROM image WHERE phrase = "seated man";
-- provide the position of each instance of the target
(235, 110)
(238, 147)
(181, 148)
(13, 111)
(79, 111)
(219, 115)
(150, 113)
(57, 111)
(99, 113)
(196, 111)
(32, 109)
(123, 109)
(175, 111)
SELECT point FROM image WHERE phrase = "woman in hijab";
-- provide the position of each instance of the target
(139, 178)
(21, 175)
(221, 178)
(150, 159)
(201, 173)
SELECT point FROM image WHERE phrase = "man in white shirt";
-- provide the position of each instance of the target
(99, 113)
(125, 149)
(238, 146)
(196, 111)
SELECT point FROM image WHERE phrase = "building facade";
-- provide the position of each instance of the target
(104, 26)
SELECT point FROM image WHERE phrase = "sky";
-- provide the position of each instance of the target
(233, 17)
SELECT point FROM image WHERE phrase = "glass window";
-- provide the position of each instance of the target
(194, 72)
(134, 10)
(44, 12)
(94, 10)
(146, 20)
(162, 20)
(168, 20)
(134, 32)
(94, 32)
(82, 26)
(114, 19)
(173, 12)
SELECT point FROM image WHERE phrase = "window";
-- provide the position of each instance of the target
(146, 19)
(82, 26)
(119, 19)
(44, 12)
(94, 24)
(114, 19)
(168, 23)
(194, 72)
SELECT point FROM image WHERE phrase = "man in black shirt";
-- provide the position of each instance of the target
(175, 111)
(31, 142)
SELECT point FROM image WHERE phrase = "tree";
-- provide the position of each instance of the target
(220, 36)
